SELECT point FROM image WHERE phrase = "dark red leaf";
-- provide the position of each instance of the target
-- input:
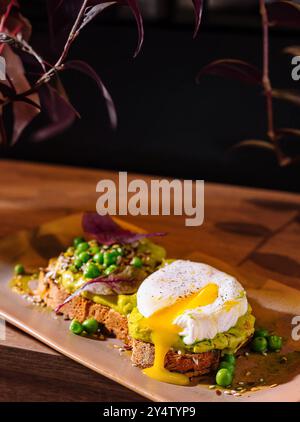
(62, 13)
(232, 68)
(284, 13)
(198, 7)
(6, 90)
(107, 232)
(257, 143)
(88, 70)
(93, 11)
(23, 111)
(61, 114)
(3, 136)
(292, 96)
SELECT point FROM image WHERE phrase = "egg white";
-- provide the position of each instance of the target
(182, 278)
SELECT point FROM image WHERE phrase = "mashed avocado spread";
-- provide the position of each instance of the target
(229, 341)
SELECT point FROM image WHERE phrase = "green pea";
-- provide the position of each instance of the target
(90, 326)
(78, 263)
(228, 366)
(259, 344)
(109, 258)
(274, 343)
(136, 262)
(84, 256)
(110, 269)
(73, 268)
(224, 377)
(84, 246)
(229, 357)
(98, 257)
(94, 250)
(91, 270)
(261, 332)
(76, 327)
(19, 269)
(77, 241)
(118, 250)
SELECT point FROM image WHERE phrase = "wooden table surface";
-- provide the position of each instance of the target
(256, 229)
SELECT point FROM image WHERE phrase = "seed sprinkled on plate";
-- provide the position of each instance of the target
(227, 392)
(211, 387)
(254, 389)
(237, 395)
(273, 385)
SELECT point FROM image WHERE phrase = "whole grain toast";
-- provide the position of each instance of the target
(80, 308)
(190, 364)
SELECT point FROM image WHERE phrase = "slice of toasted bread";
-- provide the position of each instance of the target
(81, 308)
(190, 364)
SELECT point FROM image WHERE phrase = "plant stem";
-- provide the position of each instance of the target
(266, 79)
(59, 64)
(73, 34)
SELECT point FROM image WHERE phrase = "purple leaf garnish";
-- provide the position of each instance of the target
(233, 68)
(107, 285)
(284, 13)
(60, 113)
(88, 70)
(198, 8)
(106, 231)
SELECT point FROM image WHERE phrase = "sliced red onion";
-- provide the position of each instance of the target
(106, 231)
(104, 285)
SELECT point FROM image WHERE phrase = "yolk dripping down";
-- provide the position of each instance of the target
(165, 334)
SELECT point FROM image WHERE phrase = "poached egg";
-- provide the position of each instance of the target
(188, 299)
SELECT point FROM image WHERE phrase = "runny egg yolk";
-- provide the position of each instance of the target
(165, 334)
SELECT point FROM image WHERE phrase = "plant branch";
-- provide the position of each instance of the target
(73, 34)
(59, 64)
(266, 79)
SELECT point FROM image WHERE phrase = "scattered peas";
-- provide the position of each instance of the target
(91, 271)
(84, 256)
(109, 258)
(77, 241)
(227, 365)
(98, 257)
(136, 262)
(94, 250)
(19, 269)
(261, 332)
(228, 357)
(78, 263)
(110, 269)
(224, 377)
(76, 327)
(274, 343)
(90, 326)
(83, 246)
(259, 344)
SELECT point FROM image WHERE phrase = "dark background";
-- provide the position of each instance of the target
(169, 125)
